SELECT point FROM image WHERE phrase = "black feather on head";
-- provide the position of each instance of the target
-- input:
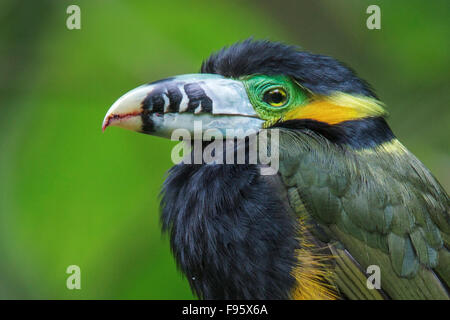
(318, 73)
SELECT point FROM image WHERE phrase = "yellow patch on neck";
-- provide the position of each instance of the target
(337, 108)
(393, 147)
(314, 279)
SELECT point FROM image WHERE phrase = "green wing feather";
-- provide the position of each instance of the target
(376, 206)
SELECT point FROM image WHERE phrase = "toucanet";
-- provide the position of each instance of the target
(349, 212)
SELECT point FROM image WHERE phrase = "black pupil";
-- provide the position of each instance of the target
(275, 97)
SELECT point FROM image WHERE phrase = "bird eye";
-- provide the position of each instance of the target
(275, 97)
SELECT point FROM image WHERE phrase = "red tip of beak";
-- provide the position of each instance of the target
(111, 118)
(105, 124)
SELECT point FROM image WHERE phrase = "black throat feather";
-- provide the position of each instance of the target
(231, 231)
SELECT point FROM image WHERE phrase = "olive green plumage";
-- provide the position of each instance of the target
(381, 205)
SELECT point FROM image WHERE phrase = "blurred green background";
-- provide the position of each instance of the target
(72, 195)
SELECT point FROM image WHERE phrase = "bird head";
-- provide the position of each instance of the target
(256, 85)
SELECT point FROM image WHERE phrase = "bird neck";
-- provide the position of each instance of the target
(230, 231)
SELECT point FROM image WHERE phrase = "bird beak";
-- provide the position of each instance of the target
(163, 106)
